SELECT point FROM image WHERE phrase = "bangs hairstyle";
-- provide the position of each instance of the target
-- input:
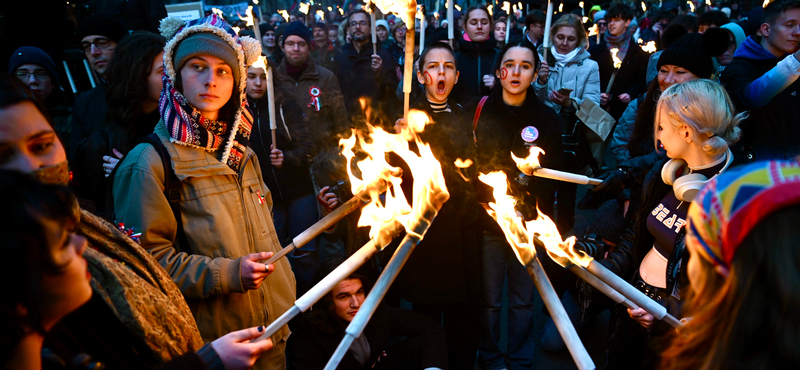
(705, 106)
(570, 20)
(619, 10)
(776, 8)
(440, 45)
(26, 204)
(521, 44)
(127, 76)
(482, 7)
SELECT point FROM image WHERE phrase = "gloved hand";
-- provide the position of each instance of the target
(613, 183)
(592, 248)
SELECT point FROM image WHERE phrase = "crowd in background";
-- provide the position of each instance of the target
(159, 191)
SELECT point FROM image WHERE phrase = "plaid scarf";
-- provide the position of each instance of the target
(620, 42)
(187, 126)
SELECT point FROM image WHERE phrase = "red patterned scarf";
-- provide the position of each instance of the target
(187, 126)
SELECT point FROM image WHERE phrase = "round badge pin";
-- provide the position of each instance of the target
(530, 134)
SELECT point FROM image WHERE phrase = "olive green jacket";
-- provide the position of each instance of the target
(224, 218)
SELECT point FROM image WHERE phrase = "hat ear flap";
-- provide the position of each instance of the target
(170, 26)
(252, 49)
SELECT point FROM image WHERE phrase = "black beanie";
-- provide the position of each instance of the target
(608, 221)
(299, 29)
(321, 25)
(102, 25)
(265, 27)
(693, 51)
(33, 55)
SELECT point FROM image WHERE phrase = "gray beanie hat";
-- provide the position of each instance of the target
(206, 43)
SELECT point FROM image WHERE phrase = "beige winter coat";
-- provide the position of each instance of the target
(223, 220)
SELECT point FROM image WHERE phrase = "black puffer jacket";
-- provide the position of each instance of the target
(498, 134)
(474, 61)
(292, 180)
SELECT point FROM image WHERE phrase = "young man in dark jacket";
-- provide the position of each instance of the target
(629, 82)
(322, 50)
(762, 79)
(366, 75)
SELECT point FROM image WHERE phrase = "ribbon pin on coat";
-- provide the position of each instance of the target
(314, 92)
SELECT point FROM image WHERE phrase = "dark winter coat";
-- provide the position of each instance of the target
(88, 117)
(309, 349)
(630, 78)
(329, 123)
(474, 61)
(325, 55)
(453, 236)
(355, 73)
(498, 134)
(293, 179)
(771, 131)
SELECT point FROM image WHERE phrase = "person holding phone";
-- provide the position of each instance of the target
(566, 78)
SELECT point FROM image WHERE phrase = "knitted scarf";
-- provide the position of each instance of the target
(138, 291)
(620, 42)
(187, 126)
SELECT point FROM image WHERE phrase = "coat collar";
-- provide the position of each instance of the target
(192, 162)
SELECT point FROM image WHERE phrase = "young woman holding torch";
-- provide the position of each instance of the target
(512, 119)
(695, 124)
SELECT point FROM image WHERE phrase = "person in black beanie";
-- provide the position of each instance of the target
(38, 71)
(269, 42)
(99, 35)
(322, 50)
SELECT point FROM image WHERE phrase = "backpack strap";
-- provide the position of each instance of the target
(172, 186)
(477, 117)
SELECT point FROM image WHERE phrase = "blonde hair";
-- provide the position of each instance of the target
(570, 20)
(704, 106)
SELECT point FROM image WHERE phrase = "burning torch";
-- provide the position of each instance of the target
(617, 65)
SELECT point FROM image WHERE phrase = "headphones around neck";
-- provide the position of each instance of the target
(688, 185)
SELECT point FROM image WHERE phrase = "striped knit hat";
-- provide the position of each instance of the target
(733, 203)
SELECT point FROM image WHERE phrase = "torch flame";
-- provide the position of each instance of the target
(586, 19)
(284, 14)
(644, 7)
(261, 62)
(649, 47)
(341, 11)
(303, 8)
(330, 9)
(218, 12)
(766, 2)
(428, 189)
(457, 7)
(460, 163)
(235, 29)
(617, 61)
(255, 2)
(691, 5)
(560, 7)
(519, 233)
(491, 9)
(400, 7)
(249, 17)
(321, 15)
(506, 7)
(593, 29)
(708, 3)
(580, 4)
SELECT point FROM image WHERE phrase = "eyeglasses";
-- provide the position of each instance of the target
(361, 24)
(602, 24)
(100, 43)
(38, 75)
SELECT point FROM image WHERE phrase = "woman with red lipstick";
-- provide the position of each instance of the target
(512, 119)
(476, 56)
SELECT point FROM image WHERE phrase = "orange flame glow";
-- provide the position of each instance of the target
(617, 61)
(429, 188)
(401, 8)
(593, 30)
(284, 14)
(519, 233)
(261, 62)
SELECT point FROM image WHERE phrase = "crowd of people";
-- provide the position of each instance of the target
(140, 212)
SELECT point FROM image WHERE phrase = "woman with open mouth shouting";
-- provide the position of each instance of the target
(512, 119)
